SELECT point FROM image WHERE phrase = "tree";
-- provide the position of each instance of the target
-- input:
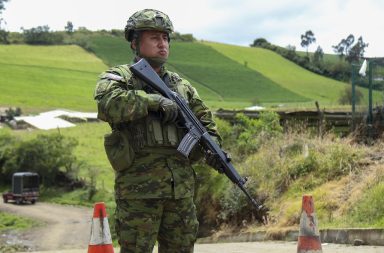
(318, 55)
(2, 5)
(357, 51)
(69, 27)
(41, 36)
(344, 45)
(307, 39)
(3, 34)
(346, 96)
(260, 42)
(48, 155)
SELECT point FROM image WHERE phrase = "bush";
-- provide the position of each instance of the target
(280, 163)
(7, 142)
(176, 36)
(336, 159)
(252, 133)
(226, 202)
(49, 155)
(42, 36)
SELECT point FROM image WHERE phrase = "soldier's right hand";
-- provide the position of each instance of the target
(167, 108)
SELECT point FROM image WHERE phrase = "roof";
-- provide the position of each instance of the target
(254, 108)
(21, 174)
(52, 120)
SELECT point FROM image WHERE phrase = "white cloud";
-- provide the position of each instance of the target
(235, 22)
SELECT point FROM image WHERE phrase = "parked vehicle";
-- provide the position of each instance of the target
(25, 188)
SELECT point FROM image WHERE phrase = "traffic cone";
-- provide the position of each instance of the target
(101, 240)
(309, 235)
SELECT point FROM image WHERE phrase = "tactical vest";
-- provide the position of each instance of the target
(149, 134)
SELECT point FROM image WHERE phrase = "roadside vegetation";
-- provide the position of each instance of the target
(281, 166)
(14, 222)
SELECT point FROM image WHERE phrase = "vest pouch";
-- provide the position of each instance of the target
(119, 152)
(170, 131)
(161, 135)
(154, 133)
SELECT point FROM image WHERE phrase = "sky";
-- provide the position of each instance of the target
(237, 22)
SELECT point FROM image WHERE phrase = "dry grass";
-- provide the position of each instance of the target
(339, 174)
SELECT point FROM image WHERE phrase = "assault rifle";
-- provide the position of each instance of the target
(196, 131)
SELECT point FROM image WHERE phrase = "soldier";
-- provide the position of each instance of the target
(154, 184)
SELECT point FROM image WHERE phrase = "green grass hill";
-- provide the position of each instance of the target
(226, 76)
(219, 79)
(284, 72)
(38, 78)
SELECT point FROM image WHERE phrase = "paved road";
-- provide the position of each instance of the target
(260, 247)
(63, 223)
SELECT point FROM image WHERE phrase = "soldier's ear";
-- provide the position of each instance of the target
(133, 44)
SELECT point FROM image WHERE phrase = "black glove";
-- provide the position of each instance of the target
(167, 108)
(213, 160)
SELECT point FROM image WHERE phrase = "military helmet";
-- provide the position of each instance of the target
(148, 19)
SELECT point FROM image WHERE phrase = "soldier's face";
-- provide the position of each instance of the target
(154, 44)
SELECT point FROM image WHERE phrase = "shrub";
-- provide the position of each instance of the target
(346, 96)
(252, 133)
(42, 36)
(49, 155)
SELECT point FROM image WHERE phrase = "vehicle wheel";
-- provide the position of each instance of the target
(33, 201)
(5, 200)
(19, 201)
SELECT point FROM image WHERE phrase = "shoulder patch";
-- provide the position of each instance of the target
(174, 77)
(114, 77)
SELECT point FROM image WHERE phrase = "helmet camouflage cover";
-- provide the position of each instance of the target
(148, 19)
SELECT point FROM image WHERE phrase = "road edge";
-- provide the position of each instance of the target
(362, 236)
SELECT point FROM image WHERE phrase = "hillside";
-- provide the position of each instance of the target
(226, 76)
(38, 78)
(234, 76)
(284, 72)
(217, 78)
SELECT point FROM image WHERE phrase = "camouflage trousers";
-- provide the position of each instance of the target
(172, 222)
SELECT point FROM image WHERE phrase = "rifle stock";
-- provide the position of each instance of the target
(196, 131)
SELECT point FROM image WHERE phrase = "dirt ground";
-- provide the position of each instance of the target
(66, 229)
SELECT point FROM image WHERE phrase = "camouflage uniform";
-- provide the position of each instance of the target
(154, 184)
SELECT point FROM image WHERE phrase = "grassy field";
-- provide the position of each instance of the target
(38, 78)
(220, 81)
(13, 222)
(287, 74)
(111, 50)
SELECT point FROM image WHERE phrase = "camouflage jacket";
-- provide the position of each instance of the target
(150, 170)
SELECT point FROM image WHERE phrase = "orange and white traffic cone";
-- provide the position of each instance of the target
(101, 240)
(309, 235)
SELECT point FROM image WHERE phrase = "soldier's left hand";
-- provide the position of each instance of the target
(169, 110)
